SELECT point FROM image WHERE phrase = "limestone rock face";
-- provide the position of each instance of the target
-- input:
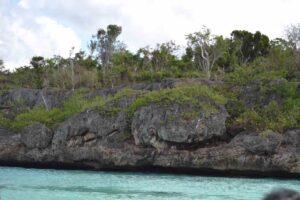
(253, 94)
(258, 144)
(176, 137)
(33, 97)
(10, 145)
(177, 124)
(95, 141)
(36, 136)
(88, 128)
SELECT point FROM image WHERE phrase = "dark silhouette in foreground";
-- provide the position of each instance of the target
(283, 195)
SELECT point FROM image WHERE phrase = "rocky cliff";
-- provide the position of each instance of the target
(174, 137)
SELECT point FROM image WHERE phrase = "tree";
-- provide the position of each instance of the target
(188, 56)
(106, 44)
(1, 65)
(71, 60)
(125, 58)
(92, 46)
(38, 64)
(163, 56)
(87, 61)
(248, 46)
(144, 55)
(292, 34)
(3, 75)
(281, 44)
(293, 37)
(207, 49)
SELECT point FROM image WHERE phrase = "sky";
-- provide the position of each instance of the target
(52, 27)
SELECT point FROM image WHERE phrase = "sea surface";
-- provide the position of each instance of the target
(44, 184)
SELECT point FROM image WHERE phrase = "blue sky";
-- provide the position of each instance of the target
(48, 27)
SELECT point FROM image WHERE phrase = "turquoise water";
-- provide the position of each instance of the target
(41, 184)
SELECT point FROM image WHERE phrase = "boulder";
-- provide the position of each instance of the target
(258, 144)
(87, 128)
(36, 136)
(169, 124)
(292, 137)
(10, 145)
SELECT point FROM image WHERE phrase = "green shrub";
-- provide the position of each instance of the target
(152, 76)
(199, 96)
(286, 90)
(77, 103)
(189, 115)
(4, 122)
(250, 119)
(235, 108)
(111, 112)
(192, 74)
(272, 116)
(245, 74)
(126, 92)
(277, 115)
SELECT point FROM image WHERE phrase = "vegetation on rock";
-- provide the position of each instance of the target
(199, 96)
(256, 78)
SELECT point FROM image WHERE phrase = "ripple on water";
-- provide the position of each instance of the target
(36, 184)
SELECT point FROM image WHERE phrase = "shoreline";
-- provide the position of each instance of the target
(139, 134)
(278, 175)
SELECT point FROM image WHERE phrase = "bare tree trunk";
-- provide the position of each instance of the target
(72, 74)
(45, 101)
(205, 61)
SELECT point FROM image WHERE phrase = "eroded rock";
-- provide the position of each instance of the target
(31, 98)
(168, 124)
(258, 144)
(163, 137)
(87, 127)
(36, 136)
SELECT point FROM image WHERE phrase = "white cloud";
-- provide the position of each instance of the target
(51, 26)
(24, 35)
(23, 4)
(56, 35)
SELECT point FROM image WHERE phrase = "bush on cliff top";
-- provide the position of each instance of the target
(275, 115)
(199, 96)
